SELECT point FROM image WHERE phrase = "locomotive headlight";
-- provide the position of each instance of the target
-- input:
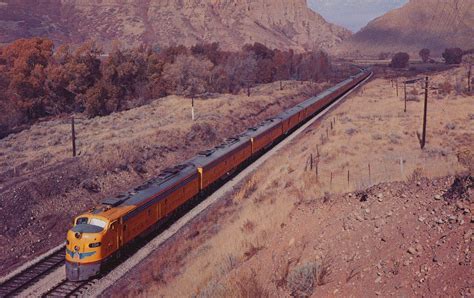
(76, 248)
(96, 244)
(77, 235)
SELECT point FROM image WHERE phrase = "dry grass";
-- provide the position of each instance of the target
(303, 279)
(134, 136)
(385, 140)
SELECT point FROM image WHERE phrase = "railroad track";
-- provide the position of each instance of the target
(67, 288)
(30, 275)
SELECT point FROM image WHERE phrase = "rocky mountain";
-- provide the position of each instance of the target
(276, 23)
(434, 24)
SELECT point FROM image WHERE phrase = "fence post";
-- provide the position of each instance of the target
(370, 178)
(330, 183)
(348, 178)
(317, 171)
(73, 133)
(401, 168)
(311, 166)
(405, 88)
(425, 111)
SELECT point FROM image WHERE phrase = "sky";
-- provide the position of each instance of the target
(353, 14)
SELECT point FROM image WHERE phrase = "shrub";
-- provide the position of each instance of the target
(302, 280)
(351, 131)
(384, 56)
(445, 88)
(400, 60)
(425, 55)
(250, 287)
(453, 55)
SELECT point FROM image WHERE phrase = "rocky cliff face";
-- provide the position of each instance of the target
(432, 24)
(276, 23)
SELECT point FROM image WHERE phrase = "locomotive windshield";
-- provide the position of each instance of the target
(91, 221)
(82, 221)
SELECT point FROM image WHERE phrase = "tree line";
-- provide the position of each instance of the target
(450, 56)
(38, 79)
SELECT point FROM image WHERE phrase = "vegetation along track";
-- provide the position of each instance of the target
(31, 274)
(67, 288)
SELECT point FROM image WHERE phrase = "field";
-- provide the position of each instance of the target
(42, 187)
(372, 214)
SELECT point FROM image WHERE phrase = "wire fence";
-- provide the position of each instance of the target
(372, 171)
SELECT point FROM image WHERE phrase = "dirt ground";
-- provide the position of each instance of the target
(372, 215)
(42, 187)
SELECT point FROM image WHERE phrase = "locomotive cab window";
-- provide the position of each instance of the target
(98, 222)
(82, 221)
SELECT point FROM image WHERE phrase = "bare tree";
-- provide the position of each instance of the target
(187, 76)
(248, 72)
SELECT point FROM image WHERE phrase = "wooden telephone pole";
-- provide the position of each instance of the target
(425, 111)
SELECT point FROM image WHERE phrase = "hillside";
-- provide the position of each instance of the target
(357, 224)
(276, 23)
(433, 24)
(115, 153)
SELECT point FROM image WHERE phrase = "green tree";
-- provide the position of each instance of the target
(424, 55)
(400, 60)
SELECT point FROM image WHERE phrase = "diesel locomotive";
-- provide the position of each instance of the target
(101, 234)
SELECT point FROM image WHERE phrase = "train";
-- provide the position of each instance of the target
(103, 233)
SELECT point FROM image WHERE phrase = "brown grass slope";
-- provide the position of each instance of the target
(276, 23)
(432, 24)
(42, 187)
(292, 230)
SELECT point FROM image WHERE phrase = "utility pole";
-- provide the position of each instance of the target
(73, 132)
(423, 137)
(405, 88)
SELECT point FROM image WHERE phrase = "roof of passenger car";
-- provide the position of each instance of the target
(290, 112)
(262, 127)
(165, 180)
(208, 156)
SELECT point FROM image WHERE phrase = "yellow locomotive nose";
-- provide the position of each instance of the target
(84, 248)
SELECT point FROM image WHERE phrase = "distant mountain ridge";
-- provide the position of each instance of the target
(433, 24)
(276, 23)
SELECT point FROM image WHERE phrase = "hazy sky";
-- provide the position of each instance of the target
(353, 14)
